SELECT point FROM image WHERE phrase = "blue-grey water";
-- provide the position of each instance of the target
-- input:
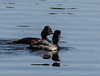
(79, 22)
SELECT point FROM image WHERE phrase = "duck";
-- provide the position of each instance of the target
(30, 40)
(49, 47)
(46, 45)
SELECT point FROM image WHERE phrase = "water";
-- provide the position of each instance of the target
(78, 21)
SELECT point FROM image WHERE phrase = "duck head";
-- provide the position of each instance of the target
(45, 32)
(56, 37)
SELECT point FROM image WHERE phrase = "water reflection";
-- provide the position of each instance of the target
(55, 64)
(37, 4)
(72, 8)
(23, 26)
(52, 13)
(46, 54)
(59, 4)
(55, 56)
(10, 7)
(42, 0)
(66, 48)
(59, 13)
(58, 8)
(41, 64)
(62, 8)
(8, 3)
(67, 13)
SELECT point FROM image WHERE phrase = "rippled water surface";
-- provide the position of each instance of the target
(79, 22)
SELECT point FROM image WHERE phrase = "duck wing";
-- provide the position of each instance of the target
(43, 45)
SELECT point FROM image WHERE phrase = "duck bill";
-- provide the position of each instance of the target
(50, 32)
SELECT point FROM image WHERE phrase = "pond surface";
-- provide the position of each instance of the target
(79, 22)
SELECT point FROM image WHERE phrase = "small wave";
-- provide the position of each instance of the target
(72, 8)
(52, 13)
(23, 26)
(42, 0)
(7, 48)
(9, 3)
(57, 8)
(10, 7)
(66, 48)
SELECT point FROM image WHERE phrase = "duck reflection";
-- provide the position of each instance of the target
(55, 64)
(53, 56)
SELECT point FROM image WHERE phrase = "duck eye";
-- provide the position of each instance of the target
(50, 31)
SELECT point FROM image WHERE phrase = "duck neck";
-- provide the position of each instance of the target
(55, 40)
(45, 38)
(56, 43)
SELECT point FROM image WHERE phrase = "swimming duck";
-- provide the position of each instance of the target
(30, 40)
(45, 45)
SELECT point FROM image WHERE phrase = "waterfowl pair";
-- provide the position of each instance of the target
(46, 46)
(30, 40)
(43, 44)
